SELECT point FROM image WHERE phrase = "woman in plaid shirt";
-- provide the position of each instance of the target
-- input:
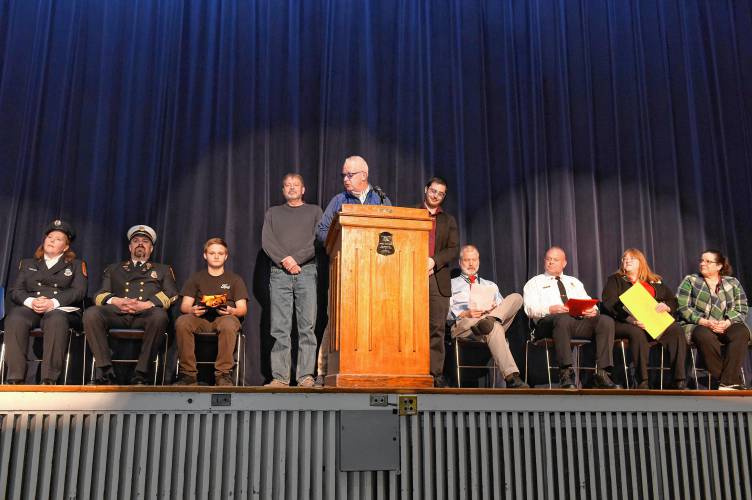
(713, 307)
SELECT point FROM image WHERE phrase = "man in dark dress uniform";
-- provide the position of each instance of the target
(135, 293)
(46, 286)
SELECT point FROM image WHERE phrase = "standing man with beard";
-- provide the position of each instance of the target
(135, 293)
(288, 239)
(443, 248)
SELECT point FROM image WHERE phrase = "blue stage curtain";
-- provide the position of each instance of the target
(594, 125)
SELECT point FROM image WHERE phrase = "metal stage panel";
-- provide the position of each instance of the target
(255, 443)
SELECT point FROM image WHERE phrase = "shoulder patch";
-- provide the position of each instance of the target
(83, 269)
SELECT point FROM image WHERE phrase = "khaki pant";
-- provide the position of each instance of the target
(496, 340)
(226, 327)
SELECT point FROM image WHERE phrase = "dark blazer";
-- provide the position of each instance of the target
(154, 282)
(66, 281)
(617, 283)
(446, 251)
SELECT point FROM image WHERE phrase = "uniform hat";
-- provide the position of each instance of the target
(142, 231)
(63, 227)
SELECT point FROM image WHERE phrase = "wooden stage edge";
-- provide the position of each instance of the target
(369, 390)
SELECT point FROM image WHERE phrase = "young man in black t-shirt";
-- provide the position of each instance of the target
(214, 300)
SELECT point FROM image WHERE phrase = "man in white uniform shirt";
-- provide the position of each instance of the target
(488, 325)
(545, 297)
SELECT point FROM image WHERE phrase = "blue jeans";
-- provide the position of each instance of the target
(287, 291)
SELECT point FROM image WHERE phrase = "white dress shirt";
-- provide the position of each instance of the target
(542, 292)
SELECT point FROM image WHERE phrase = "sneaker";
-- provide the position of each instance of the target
(185, 379)
(603, 381)
(483, 327)
(306, 381)
(515, 382)
(107, 378)
(223, 380)
(277, 383)
(731, 387)
(319, 381)
(139, 378)
(566, 378)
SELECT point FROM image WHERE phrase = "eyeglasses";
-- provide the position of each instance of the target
(350, 175)
(705, 261)
(437, 193)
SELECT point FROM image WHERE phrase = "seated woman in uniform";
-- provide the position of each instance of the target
(634, 269)
(51, 280)
(713, 307)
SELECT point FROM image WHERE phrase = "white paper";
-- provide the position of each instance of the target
(482, 297)
(69, 309)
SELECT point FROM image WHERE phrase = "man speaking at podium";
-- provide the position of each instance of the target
(357, 191)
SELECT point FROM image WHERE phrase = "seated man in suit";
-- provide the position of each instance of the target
(489, 325)
(135, 293)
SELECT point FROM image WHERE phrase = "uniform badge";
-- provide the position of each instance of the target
(225, 286)
(68, 272)
(153, 274)
(57, 223)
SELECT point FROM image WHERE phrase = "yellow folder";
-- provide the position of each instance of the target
(642, 306)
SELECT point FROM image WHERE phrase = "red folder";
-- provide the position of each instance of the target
(578, 306)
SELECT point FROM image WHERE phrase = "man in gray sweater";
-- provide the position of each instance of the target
(288, 239)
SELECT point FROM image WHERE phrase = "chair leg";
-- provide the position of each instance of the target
(694, 367)
(548, 368)
(164, 364)
(576, 366)
(624, 363)
(238, 343)
(526, 365)
(744, 379)
(2, 363)
(67, 359)
(661, 370)
(457, 362)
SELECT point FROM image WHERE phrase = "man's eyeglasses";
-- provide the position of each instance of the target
(438, 194)
(350, 175)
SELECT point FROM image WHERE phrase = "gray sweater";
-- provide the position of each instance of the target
(290, 231)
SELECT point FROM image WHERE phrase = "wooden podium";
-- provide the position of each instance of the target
(378, 297)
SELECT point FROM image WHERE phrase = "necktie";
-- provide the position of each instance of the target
(472, 279)
(562, 290)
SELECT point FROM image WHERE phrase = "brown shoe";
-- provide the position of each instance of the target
(224, 380)
(185, 379)
(276, 383)
(306, 381)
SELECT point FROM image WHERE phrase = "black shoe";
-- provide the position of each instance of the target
(139, 378)
(440, 381)
(515, 382)
(643, 386)
(483, 327)
(566, 378)
(14, 382)
(603, 381)
(49, 381)
(679, 385)
(107, 378)
(185, 379)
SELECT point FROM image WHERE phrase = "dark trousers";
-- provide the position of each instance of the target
(563, 328)
(55, 326)
(98, 320)
(438, 307)
(736, 338)
(673, 340)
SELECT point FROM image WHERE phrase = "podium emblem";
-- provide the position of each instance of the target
(386, 245)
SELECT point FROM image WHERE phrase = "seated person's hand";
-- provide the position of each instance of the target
(662, 307)
(589, 313)
(558, 309)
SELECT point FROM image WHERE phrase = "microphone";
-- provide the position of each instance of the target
(380, 192)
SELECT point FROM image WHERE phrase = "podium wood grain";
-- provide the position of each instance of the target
(378, 303)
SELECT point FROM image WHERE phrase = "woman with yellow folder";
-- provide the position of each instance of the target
(633, 270)
(713, 307)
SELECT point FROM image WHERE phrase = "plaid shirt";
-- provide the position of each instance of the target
(696, 301)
